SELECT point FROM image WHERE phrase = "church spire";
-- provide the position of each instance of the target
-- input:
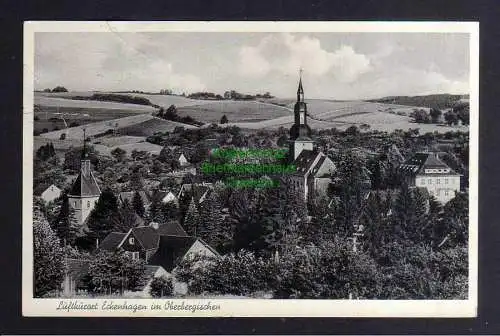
(300, 89)
(84, 152)
(85, 162)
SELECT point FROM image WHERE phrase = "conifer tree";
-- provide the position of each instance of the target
(170, 211)
(103, 217)
(215, 230)
(138, 204)
(126, 219)
(192, 220)
(155, 213)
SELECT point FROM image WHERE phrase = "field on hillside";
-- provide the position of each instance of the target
(151, 126)
(98, 127)
(236, 111)
(89, 104)
(137, 125)
(157, 99)
(324, 114)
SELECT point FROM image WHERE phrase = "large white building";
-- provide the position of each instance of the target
(427, 170)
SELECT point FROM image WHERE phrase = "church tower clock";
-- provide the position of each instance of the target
(300, 132)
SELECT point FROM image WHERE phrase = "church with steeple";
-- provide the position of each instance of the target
(313, 167)
(85, 191)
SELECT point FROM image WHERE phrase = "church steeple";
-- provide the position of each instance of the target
(85, 162)
(300, 132)
(300, 89)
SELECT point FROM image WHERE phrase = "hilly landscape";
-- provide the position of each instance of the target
(61, 117)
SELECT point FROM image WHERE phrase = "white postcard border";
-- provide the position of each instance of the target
(249, 307)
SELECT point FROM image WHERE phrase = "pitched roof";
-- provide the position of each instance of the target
(310, 162)
(129, 196)
(147, 236)
(196, 190)
(421, 161)
(112, 241)
(171, 228)
(85, 185)
(305, 160)
(170, 251)
(150, 270)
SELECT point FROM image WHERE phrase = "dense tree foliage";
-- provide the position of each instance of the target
(48, 258)
(161, 287)
(104, 216)
(114, 272)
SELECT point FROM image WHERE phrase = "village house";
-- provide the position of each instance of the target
(182, 160)
(167, 196)
(164, 245)
(195, 191)
(427, 170)
(51, 193)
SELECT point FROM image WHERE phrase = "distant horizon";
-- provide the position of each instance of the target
(341, 65)
(284, 98)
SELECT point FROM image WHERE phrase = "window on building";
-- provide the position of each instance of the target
(131, 240)
(438, 181)
(88, 204)
(135, 255)
(423, 182)
(429, 181)
(446, 192)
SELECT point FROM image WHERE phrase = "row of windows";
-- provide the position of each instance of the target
(133, 255)
(438, 193)
(438, 181)
(88, 203)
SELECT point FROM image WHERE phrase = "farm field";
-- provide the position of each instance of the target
(236, 111)
(158, 99)
(113, 141)
(98, 127)
(89, 104)
(151, 126)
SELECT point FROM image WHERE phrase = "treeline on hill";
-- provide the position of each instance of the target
(56, 89)
(460, 112)
(171, 114)
(232, 95)
(440, 101)
(113, 97)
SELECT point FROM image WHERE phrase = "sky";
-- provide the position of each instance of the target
(335, 65)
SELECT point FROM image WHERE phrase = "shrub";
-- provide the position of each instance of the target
(161, 287)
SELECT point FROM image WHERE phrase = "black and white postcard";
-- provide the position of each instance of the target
(250, 169)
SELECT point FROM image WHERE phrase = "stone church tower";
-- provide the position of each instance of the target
(300, 132)
(85, 191)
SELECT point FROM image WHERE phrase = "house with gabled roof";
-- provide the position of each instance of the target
(162, 245)
(51, 193)
(427, 170)
(196, 191)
